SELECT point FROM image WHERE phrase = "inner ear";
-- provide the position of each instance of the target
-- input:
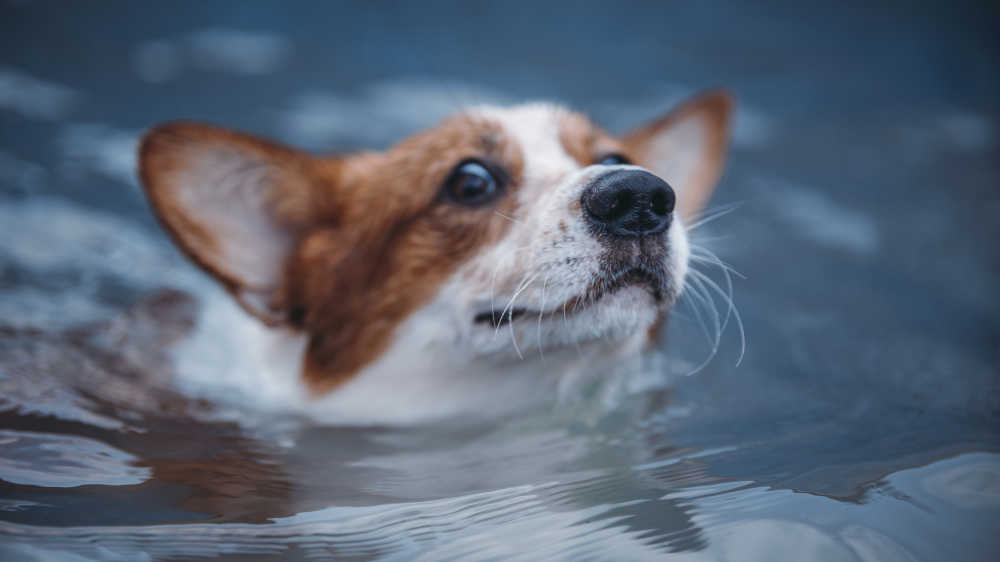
(234, 203)
(687, 148)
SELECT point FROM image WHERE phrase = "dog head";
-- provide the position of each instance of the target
(528, 219)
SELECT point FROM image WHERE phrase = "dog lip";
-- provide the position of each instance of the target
(625, 277)
(497, 318)
(607, 285)
(633, 276)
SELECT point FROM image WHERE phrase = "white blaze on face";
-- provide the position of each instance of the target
(545, 266)
(549, 257)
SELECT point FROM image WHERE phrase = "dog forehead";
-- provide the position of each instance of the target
(538, 129)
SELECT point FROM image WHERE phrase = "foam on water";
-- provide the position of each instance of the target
(33, 97)
(817, 217)
(215, 49)
(108, 152)
(382, 113)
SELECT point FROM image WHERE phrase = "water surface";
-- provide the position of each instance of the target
(861, 424)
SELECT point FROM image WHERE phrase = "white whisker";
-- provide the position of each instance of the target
(712, 215)
(736, 313)
(703, 255)
(509, 311)
(493, 283)
(511, 219)
(711, 258)
(715, 346)
(513, 338)
(699, 296)
(541, 309)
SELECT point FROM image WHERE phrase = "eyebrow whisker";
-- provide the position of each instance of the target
(511, 219)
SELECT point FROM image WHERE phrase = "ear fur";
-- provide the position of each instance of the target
(234, 203)
(687, 148)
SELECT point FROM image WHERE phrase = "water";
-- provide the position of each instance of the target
(860, 425)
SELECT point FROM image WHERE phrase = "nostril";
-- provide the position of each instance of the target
(597, 207)
(622, 204)
(662, 202)
(610, 205)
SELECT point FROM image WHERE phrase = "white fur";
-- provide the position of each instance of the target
(537, 265)
(441, 363)
(427, 374)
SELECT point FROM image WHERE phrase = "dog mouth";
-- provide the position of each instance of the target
(497, 318)
(652, 280)
(639, 276)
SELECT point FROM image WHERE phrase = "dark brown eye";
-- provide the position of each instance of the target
(472, 184)
(612, 160)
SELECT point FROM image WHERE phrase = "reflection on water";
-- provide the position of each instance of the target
(861, 425)
(62, 461)
(307, 494)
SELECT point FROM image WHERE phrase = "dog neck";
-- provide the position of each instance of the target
(233, 359)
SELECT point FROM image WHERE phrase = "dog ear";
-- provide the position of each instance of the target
(687, 147)
(234, 203)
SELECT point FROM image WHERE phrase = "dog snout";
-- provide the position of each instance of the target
(629, 204)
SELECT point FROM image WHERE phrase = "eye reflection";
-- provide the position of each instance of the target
(472, 184)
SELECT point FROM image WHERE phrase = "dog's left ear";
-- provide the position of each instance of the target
(687, 148)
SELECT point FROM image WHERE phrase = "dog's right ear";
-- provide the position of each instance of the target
(234, 203)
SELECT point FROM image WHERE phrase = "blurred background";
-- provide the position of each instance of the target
(865, 182)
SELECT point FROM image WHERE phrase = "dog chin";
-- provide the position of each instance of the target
(614, 317)
(627, 309)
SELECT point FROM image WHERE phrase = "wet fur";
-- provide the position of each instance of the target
(361, 258)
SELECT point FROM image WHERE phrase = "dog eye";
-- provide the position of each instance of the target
(612, 160)
(471, 183)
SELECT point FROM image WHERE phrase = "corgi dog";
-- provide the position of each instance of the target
(464, 270)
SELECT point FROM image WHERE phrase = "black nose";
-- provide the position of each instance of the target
(629, 203)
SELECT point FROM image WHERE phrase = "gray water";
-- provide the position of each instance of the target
(861, 424)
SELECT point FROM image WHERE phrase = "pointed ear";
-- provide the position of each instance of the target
(234, 203)
(687, 147)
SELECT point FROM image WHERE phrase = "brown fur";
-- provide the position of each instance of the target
(295, 196)
(399, 256)
(373, 239)
(359, 242)
(585, 142)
